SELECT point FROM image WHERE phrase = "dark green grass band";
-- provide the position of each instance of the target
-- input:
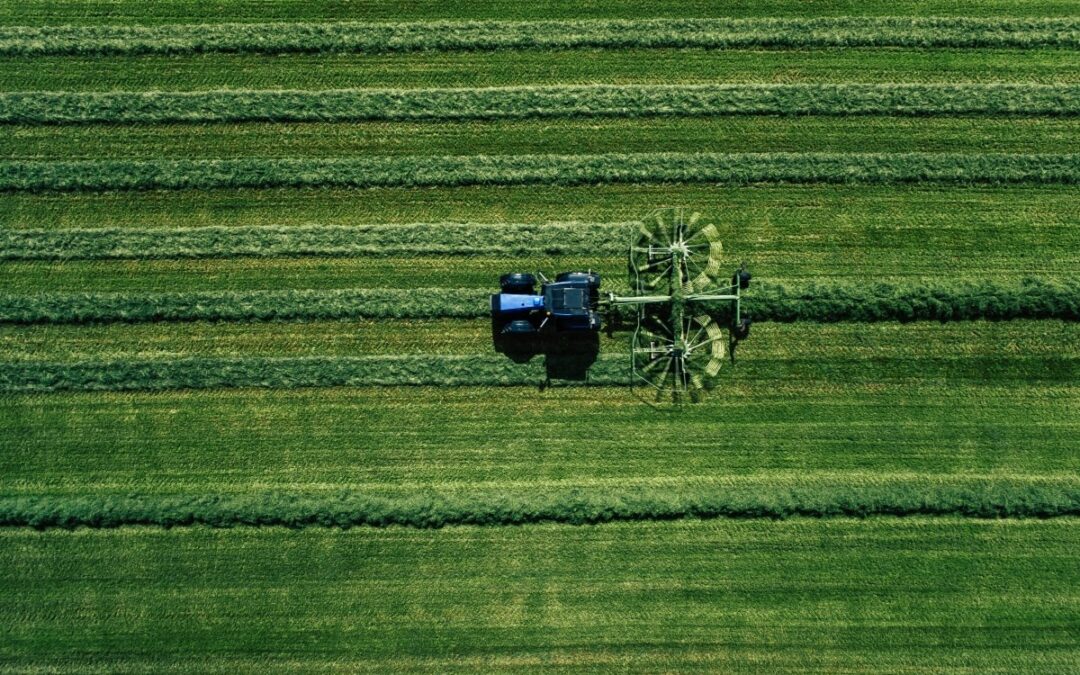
(964, 498)
(538, 102)
(291, 373)
(1031, 299)
(276, 38)
(416, 239)
(452, 171)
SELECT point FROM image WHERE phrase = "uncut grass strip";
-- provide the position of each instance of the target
(986, 498)
(456, 171)
(419, 239)
(291, 373)
(538, 102)
(719, 33)
(286, 305)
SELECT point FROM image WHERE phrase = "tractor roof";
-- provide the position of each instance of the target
(567, 298)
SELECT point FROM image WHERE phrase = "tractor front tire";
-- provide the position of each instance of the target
(519, 327)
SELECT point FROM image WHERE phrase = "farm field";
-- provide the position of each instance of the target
(252, 415)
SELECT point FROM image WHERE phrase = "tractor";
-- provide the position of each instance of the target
(570, 304)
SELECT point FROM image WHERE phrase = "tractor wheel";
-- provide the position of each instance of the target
(517, 282)
(742, 330)
(592, 278)
(519, 327)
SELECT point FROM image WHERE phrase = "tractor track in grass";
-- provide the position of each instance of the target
(621, 101)
(959, 301)
(435, 36)
(507, 170)
(959, 497)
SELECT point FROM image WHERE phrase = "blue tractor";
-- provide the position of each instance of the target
(570, 304)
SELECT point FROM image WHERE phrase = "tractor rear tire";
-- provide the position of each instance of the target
(518, 282)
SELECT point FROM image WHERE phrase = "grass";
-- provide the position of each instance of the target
(417, 239)
(972, 421)
(538, 102)
(831, 595)
(1030, 299)
(429, 36)
(594, 135)
(818, 499)
(186, 11)
(871, 400)
(464, 69)
(456, 171)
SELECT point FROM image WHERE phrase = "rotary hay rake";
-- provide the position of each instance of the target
(687, 322)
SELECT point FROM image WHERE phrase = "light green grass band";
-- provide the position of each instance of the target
(453, 171)
(971, 498)
(539, 102)
(275, 38)
(291, 373)
(413, 239)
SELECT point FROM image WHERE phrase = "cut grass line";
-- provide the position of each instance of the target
(455, 171)
(417, 70)
(416, 239)
(538, 102)
(994, 498)
(291, 373)
(373, 38)
(284, 305)
(1030, 299)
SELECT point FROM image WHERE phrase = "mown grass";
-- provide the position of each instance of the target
(416, 239)
(72, 342)
(350, 105)
(625, 66)
(861, 596)
(818, 212)
(870, 400)
(509, 170)
(434, 36)
(1032, 298)
(729, 134)
(568, 506)
(186, 11)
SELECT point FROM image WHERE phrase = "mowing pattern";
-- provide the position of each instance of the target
(489, 35)
(453, 171)
(538, 102)
(1031, 299)
(982, 499)
(246, 271)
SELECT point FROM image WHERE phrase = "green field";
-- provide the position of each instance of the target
(252, 418)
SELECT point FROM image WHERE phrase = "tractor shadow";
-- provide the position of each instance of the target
(567, 356)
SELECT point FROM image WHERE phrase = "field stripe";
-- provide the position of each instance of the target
(277, 38)
(566, 367)
(538, 102)
(415, 239)
(290, 373)
(284, 305)
(1031, 299)
(970, 498)
(454, 171)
